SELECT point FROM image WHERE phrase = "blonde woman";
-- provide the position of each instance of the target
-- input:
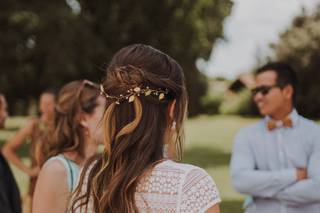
(70, 142)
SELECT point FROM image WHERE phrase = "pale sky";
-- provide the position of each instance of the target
(251, 27)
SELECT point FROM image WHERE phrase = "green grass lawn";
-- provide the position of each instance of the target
(208, 145)
(209, 142)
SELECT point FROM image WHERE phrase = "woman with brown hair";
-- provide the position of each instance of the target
(33, 131)
(69, 143)
(146, 108)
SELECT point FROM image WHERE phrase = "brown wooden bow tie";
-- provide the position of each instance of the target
(272, 124)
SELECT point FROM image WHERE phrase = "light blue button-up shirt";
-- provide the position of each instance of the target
(264, 163)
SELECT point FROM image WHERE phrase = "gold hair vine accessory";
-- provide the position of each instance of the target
(136, 91)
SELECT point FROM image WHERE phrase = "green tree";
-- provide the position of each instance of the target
(50, 43)
(300, 47)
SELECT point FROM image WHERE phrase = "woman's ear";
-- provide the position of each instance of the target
(171, 108)
(83, 120)
(288, 91)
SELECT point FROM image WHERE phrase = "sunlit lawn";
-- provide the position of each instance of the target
(208, 144)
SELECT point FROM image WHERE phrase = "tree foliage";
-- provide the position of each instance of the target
(48, 43)
(300, 47)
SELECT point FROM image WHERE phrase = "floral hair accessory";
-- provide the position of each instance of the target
(135, 91)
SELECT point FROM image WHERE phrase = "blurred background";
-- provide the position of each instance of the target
(219, 43)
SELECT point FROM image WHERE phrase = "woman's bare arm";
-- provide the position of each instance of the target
(9, 150)
(214, 209)
(51, 193)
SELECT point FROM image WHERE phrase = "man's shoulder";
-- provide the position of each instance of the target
(255, 127)
(309, 124)
(252, 131)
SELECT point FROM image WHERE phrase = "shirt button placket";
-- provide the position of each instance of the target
(282, 162)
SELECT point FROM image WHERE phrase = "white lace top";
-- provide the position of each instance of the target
(173, 187)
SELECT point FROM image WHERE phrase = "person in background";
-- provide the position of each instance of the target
(146, 104)
(276, 160)
(9, 192)
(73, 138)
(3, 110)
(33, 131)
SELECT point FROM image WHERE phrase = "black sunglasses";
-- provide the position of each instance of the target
(264, 90)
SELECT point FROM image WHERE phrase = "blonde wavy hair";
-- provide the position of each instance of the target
(66, 133)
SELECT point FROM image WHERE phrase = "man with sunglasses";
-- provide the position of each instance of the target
(276, 160)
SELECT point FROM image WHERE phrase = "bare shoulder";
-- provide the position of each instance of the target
(51, 191)
(53, 171)
(29, 126)
(31, 122)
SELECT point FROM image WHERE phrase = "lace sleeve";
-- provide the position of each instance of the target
(199, 192)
